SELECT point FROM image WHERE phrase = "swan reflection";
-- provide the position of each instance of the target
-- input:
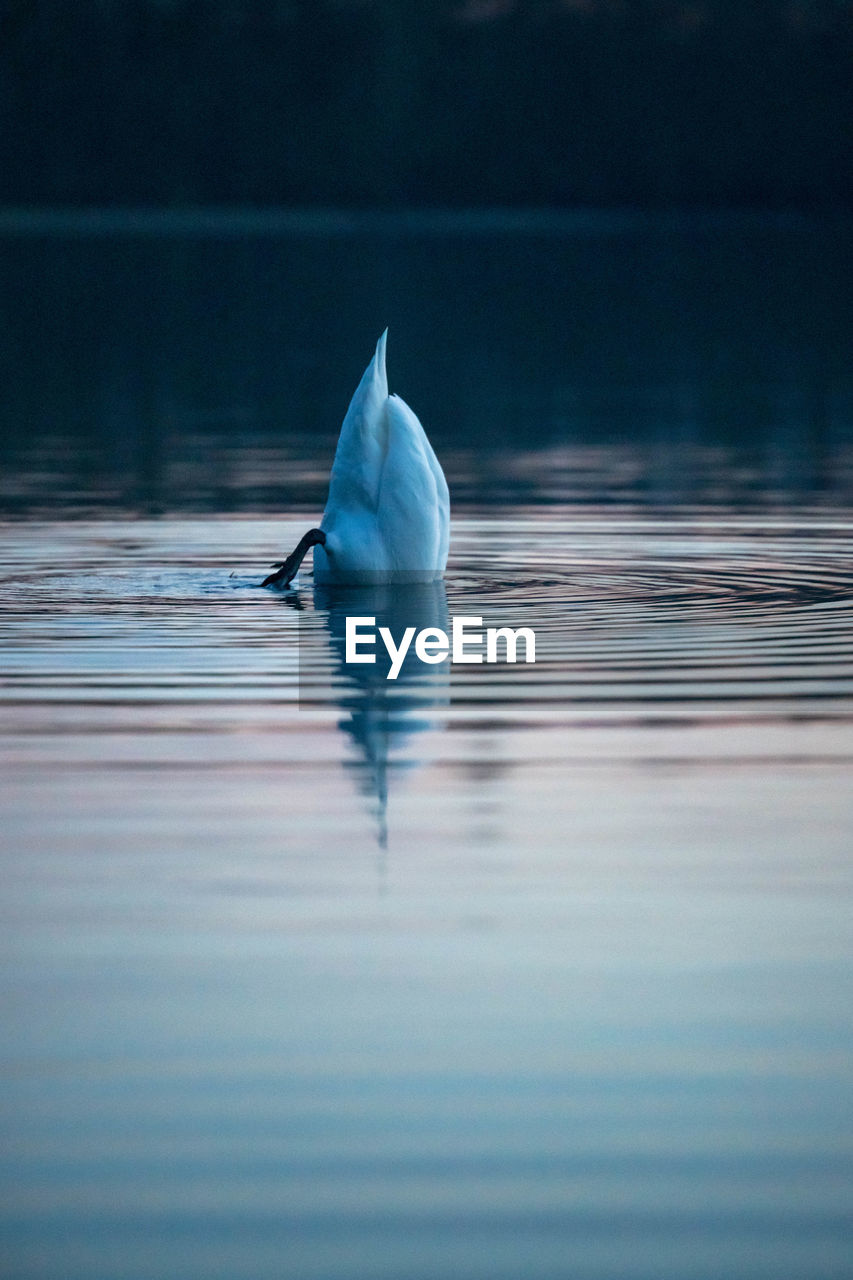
(381, 717)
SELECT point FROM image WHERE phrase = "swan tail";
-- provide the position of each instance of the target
(364, 437)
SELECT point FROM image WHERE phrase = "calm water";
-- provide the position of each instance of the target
(536, 971)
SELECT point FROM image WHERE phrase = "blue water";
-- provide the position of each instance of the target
(532, 972)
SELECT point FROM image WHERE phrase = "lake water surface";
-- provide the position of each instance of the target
(516, 971)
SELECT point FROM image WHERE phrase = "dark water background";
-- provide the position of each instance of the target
(537, 971)
(202, 363)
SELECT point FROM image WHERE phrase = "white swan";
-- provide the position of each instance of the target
(387, 516)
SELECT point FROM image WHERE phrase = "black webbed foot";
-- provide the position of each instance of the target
(287, 569)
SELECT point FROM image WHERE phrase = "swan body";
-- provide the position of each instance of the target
(387, 516)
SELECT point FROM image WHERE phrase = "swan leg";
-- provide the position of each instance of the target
(287, 568)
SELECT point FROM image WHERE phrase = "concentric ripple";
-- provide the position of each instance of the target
(675, 612)
(677, 618)
(519, 965)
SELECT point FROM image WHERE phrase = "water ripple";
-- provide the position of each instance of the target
(632, 610)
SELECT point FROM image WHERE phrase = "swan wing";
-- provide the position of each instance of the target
(441, 491)
(412, 513)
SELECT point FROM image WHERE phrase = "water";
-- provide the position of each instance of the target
(532, 971)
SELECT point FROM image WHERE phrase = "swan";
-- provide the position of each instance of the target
(387, 516)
